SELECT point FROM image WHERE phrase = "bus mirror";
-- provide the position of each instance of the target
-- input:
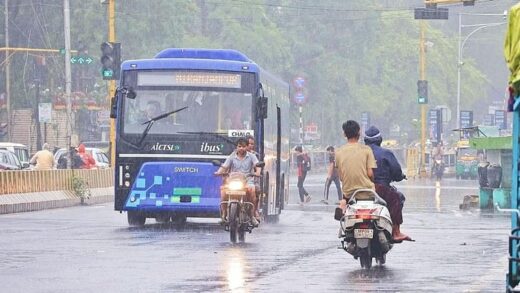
(113, 107)
(130, 93)
(262, 107)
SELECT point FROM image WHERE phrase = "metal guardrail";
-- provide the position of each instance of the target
(52, 180)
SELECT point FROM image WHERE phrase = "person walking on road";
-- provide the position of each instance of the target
(44, 159)
(332, 176)
(302, 161)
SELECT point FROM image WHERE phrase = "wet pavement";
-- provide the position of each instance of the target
(91, 249)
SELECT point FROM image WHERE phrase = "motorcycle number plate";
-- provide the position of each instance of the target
(236, 192)
(364, 233)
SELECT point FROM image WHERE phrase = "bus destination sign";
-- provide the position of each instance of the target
(190, 78)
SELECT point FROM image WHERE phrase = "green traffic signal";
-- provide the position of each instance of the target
(110, 60)
(108, 73)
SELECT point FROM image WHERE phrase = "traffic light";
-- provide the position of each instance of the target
(110, 60)
(422, 91)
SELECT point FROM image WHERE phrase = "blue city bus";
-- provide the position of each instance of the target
(177, 113)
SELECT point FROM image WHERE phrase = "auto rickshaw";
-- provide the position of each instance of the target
(466, 166)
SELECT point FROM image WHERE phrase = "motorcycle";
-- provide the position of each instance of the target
(366, 229)
(438, 169)
(238, 208)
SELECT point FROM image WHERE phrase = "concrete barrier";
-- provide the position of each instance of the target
(27, 202)
(25, 191)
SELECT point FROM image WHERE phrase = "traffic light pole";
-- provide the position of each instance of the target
(112, 83)
(422, 73)
(68, 82)
(7, 72)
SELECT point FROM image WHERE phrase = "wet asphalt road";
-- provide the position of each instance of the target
(91, 249)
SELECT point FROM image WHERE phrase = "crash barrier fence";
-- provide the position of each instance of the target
(53, 180)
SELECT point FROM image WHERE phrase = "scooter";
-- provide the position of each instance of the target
(366, 229)
(438, 169)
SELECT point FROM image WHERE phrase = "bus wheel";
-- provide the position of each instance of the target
(162, 219)
(179, 220)
(135, 219)
(281, 198)
(272, 219)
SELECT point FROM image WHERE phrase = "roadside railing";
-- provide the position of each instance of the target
(53, 180)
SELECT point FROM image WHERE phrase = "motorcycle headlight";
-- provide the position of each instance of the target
(235, 185)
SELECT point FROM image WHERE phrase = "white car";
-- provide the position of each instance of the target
(99, 156)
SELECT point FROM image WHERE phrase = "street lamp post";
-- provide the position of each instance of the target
(462, 42)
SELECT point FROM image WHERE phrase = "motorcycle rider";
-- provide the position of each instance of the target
(388, 170)
(436, 155)
(243, 162)
(251, 149)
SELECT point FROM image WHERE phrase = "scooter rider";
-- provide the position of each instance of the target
(355, 164)
(244, 162)
(388, 170)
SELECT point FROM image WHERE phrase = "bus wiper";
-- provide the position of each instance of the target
(151, 122)
(163, 115)
(216, 134)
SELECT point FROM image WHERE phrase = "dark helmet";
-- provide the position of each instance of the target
(298, 148)
(373, 136)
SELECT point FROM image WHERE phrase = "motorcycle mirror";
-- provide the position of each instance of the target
(216, 163)
(260, 164)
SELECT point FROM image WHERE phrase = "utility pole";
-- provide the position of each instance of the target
(112, 83)
(422, 76)
(70, 120)
(7, 72)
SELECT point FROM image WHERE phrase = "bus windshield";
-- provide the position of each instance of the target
(207, 111)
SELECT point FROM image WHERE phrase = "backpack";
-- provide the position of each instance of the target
(306, 162)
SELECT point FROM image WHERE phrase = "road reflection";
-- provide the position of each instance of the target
(438, 195)
(235, 270)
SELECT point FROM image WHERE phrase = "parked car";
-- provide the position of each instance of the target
(20, 151)
(9, 161)
(99, 156)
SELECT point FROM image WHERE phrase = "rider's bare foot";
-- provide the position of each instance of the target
(398, 238)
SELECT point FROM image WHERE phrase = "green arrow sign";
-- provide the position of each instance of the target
(81, 60)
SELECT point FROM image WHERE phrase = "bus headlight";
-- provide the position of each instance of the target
(127, 183)
(236, 185)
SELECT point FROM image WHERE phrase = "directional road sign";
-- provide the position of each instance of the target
(81, 60)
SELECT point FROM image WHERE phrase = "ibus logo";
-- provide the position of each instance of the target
(211, 148)
(165, 147)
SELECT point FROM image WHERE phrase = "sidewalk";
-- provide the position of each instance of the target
(26, 202)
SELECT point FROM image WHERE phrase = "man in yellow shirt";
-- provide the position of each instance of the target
(43, 159)
(355, 162)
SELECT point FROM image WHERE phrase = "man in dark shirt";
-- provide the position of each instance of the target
(332, 176)
(301, 159)
(387, 171)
